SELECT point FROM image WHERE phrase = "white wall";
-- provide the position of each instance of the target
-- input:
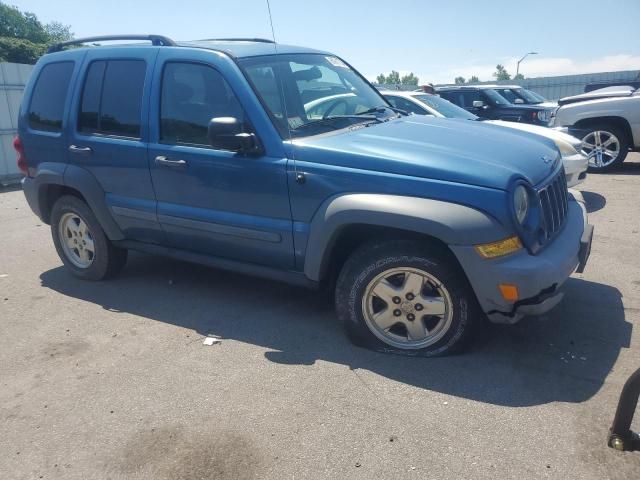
(13, 77)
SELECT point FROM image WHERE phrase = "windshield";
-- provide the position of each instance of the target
(495, 98)
(528, 96)
(445, 107)
(321, 93)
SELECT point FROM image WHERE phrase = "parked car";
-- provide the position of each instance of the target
(519, 95)
(485, 102)
(575, 163)
(202, 151)
(607, 121)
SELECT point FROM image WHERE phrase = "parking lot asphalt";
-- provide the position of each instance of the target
(111, 380)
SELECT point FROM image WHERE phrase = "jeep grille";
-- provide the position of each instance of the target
(554, 203)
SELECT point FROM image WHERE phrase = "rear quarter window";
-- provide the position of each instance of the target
(50, 91)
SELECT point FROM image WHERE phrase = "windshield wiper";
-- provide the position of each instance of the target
(383, 108)
(333, 118)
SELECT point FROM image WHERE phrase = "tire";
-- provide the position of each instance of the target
(81, 242)
(379, 265)
(602, 159)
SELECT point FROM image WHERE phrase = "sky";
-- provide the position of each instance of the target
(437, 40)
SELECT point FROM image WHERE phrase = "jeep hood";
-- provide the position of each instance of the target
(454, 150)
(607, 92)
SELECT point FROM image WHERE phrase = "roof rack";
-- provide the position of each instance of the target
(157, 40)
(259, 40)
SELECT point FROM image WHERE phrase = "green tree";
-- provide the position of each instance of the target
(393, 78)
(409, 79)
(474, 79)
(459, 80)
(381, 79)
(23, 38)
(518, 76)
(57, 32)
(501, 73)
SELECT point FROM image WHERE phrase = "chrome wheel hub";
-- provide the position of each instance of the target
(601, 148)
(407, 308)
(76, 240)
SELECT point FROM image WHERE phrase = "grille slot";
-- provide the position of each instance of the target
(554, 203)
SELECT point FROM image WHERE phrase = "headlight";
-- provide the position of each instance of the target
(520, 203)
(543, 115)
(566, 149)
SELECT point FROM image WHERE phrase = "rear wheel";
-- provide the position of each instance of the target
(400, 297)
(606, 147)
(81, 243)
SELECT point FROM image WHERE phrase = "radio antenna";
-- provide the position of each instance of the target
(284, 102)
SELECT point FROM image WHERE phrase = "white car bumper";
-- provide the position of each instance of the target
(575, 169)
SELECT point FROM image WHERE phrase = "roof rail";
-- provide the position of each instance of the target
(259, 40)
(157, 40)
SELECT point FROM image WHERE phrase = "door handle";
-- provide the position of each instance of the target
(163, 161)
(80, 150)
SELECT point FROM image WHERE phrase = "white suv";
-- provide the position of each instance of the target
(608, 122)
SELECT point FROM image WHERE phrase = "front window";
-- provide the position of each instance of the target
(495, 98)
(445, 107)
(308, 94)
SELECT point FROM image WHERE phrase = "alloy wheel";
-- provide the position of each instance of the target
(76, 240)
(407, 308)
(602, 148)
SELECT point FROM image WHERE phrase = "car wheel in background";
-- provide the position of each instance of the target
(606, 147)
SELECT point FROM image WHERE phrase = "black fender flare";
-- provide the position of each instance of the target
(451, 223)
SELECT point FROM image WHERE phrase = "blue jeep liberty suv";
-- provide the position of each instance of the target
(215, 152)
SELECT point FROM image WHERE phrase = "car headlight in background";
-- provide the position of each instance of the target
(521, 203)
(544, 115)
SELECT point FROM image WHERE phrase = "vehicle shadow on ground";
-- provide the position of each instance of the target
(627, 168)
(594, 201)
(563, 357)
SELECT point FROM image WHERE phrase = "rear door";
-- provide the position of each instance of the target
(216, 202)
(110, 135)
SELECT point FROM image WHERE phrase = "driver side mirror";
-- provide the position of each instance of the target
(227, 133)
(478, 104)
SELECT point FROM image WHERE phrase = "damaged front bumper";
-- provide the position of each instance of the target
(537, 277)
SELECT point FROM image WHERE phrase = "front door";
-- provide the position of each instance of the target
(215, 202)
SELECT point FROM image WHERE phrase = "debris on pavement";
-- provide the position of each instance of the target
(211, 340)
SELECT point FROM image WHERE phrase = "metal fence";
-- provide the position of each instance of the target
(13, 77)
(553, 88)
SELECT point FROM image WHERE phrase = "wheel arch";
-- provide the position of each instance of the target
(620, 122)
(345, 222)
(82, 184)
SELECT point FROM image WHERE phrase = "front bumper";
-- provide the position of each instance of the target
(575, 168)
(538, 277)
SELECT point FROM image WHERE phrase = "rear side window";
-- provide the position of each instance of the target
(49, 96)
(112, 98)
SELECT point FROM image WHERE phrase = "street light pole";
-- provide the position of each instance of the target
(525, 56)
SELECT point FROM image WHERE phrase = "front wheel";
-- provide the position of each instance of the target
(81, 242)
(405, 298)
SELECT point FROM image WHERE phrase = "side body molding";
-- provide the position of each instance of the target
(451, 223)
